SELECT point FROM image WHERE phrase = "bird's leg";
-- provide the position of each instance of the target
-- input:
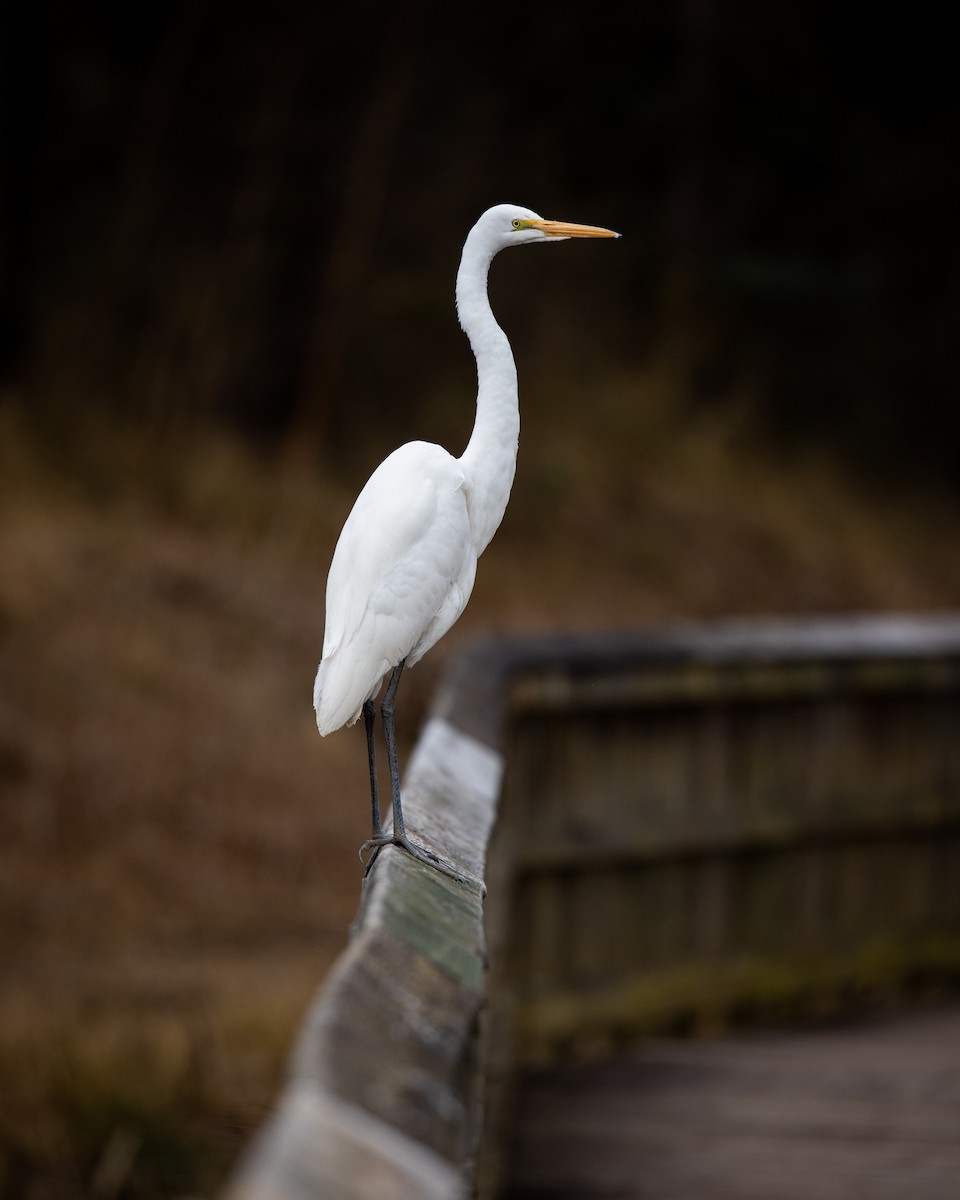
(377, 839)
(399, 835)
(386, 715)
(369, 716)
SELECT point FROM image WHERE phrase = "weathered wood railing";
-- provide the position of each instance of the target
(690, 824)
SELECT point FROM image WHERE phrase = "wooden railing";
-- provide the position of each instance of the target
(692, 825)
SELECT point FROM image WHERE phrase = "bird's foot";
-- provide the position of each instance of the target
(376, 844)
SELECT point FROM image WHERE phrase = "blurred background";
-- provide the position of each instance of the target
(228, 241)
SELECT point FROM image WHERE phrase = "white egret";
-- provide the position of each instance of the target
(406, 559)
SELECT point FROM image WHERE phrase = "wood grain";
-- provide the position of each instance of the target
(870, 1112)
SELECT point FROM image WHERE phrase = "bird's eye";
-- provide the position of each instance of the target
(517, 223)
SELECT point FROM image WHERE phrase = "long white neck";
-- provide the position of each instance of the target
(490, 459)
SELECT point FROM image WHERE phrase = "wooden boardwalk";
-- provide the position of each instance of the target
(867, 1112)
(688, 824)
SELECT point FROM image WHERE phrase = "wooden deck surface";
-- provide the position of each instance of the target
(869, 1111)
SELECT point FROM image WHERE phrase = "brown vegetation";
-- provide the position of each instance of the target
(247, 222)
(179, 847)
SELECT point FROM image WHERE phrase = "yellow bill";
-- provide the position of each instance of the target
(565, 229)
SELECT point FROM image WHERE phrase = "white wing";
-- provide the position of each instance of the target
(401, 574)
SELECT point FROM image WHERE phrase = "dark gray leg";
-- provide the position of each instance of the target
(398, 837)
(369, 716)
(387, 709)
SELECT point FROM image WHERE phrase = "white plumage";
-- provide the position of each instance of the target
(401, 575)
(406, 559)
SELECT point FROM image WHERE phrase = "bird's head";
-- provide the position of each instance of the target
(510, 225)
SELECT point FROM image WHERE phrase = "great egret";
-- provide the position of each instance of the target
(406, 559)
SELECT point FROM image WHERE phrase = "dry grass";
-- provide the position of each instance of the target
(179, 848)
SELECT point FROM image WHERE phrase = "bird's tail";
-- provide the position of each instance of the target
(336, 700)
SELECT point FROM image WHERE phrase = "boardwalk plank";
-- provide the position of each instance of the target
(866, 1112)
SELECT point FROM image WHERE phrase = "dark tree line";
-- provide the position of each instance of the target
(252, 213)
